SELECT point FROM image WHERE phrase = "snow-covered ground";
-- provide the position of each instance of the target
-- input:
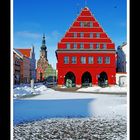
(115, 89)
(105, 116)
(20, 91)
(67, 103)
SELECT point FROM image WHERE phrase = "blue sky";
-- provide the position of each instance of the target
(32, 18)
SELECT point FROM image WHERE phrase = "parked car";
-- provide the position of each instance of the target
(50, 81)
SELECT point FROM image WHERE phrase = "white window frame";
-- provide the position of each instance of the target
(104, 46)
(83, 60)
(97, 46)
(100, 60)
(81, 24)
(74, 60)
(107, 60)
(90, 24)
(74, 46)
(74, 34)
(66, 60)
(91, 35)
(90, 60)
(68, 45)
(81, 35)
(91, 45)
(97, 35)
(81, 44)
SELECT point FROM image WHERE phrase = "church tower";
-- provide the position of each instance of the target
(43, 51)
(42, 63)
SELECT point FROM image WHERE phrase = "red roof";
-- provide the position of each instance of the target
(25, 52)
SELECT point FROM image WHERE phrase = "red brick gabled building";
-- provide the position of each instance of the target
(86, 55)
(42, 63)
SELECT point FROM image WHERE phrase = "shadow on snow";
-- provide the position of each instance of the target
(30, 110)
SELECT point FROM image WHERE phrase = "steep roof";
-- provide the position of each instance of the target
(84, 24)
(25, 52)
(18, 53)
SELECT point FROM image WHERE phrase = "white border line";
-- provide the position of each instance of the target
(128, 70)
(11, 72)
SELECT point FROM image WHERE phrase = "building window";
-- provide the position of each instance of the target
(74, 60)
(81, 45)
(81, 24)
(91, 35)
(81, 34)
(100, 60)
(83, 60)
(66, 60)
(68, 45)
(90, 60)
(97, 46)
(74, 45)
(104, 46)
(90, 24)
(91, 45)
(97, 35)
(107, 60)
(74, 35)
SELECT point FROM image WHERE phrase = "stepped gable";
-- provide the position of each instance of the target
(86, 55)
(82, 24)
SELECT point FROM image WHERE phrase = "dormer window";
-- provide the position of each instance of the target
(97, 46)
(91, 35)
(81, 45)
(91, 45)
(81, 35)
(68, 45)
(74, 35)
(97, 35)
(81, 24)
(74, 45)
(90, 24)
(104, 46)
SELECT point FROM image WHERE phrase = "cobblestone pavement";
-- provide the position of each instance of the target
(73, 129)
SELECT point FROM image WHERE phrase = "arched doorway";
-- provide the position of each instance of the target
(70, 79)
(103, 79)
(86, 79)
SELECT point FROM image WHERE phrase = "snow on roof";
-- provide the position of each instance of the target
(18, 53)
(86, 8)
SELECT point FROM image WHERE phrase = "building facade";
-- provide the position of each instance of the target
(28, 65)
(121, 58)
(42, 63)
(32, 64)
(17, 66)
(86, 55)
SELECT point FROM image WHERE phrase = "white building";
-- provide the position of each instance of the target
(32, 64)
(122, 58)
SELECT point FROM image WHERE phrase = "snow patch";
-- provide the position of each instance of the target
(114, 88)
(26, 90)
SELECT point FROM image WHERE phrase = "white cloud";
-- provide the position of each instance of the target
(28, 34)
(55, 34)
